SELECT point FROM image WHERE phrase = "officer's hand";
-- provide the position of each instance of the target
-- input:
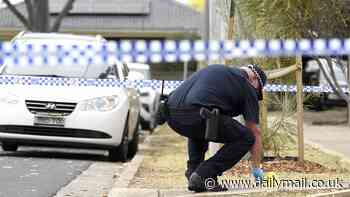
(258, 174)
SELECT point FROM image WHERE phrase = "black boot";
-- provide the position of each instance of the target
(191, 167)
(200, 184)
(188, 174)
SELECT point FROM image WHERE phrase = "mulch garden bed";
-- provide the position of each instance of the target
(286, 164)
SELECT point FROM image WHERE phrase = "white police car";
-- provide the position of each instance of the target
(68, 115)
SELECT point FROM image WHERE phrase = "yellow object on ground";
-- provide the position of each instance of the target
(270, 179)
(270, 175)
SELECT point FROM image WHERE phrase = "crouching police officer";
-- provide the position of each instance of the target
(202, 108)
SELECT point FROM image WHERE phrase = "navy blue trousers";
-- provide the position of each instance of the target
(237, 140)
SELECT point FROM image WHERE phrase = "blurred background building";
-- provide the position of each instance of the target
(130, 19)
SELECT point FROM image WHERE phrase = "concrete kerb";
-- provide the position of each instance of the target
(344, 161)
(223, 194)
(131, 192)
(123, 180)
(343, 193)
(137, 192)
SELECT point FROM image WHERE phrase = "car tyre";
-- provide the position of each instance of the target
(120, 153)
(153, 125)
(6, 146)
(146, 125)
(322, 102)
(134, 143)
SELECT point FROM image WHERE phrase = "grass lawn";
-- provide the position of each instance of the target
(165, 162)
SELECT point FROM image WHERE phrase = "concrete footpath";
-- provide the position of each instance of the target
(334, 138)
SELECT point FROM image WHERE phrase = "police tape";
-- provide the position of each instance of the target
(166, 50)
(155, 51)
(138, 84)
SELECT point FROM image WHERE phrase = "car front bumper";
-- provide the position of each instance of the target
(95, 129)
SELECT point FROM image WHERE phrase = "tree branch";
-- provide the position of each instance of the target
(341, 65)
(327, 76)
(64, 12)
(17, 14)
(232, 8)
(340, 90)
(30, 12)
(330, 82)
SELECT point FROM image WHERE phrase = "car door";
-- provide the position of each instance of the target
(134, 103)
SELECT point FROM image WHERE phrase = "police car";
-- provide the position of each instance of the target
(68, 115)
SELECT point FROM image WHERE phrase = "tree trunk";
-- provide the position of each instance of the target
(231, 28)
(231, 25)
(20, 16)
(231, 22)
(64, 12)
(42, 17)
(38, 19)
(30, 11)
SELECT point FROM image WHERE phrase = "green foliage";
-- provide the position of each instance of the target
(295, 18)
(282, 127)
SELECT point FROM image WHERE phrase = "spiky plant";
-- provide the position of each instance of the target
(282, 127)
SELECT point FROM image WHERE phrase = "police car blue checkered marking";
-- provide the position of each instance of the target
(155, 84)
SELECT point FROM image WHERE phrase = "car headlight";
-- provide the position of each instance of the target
(9, 99)
(102, 104)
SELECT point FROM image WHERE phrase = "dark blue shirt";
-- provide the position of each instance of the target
(221, 87)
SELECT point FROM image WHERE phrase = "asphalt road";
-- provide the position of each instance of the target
(41, 172)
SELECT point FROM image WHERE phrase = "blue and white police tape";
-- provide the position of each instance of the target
(166, 51)
(139, 84)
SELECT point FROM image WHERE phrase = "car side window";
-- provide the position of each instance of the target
(115, 71)
(125, 70)
(110, 73)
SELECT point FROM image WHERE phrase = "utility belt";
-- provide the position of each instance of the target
(212, 117)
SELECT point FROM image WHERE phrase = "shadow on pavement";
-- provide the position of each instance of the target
(68, 154)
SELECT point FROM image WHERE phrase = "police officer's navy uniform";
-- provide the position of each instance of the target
(224, 88)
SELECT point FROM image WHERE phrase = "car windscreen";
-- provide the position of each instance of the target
(78, 69)
(70, 71)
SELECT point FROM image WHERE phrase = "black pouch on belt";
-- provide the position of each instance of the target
(212, 123)
(163, 112)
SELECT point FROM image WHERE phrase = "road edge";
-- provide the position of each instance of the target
(130, 170)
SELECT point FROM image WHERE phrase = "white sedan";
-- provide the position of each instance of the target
(149, 97)
(69, 116)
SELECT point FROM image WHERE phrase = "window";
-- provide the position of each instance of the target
(125, 70)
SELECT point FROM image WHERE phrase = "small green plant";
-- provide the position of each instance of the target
(281, 125)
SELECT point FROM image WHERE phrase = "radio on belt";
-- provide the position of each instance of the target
(212, 123)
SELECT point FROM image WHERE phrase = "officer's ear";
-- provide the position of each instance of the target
(251, 77)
